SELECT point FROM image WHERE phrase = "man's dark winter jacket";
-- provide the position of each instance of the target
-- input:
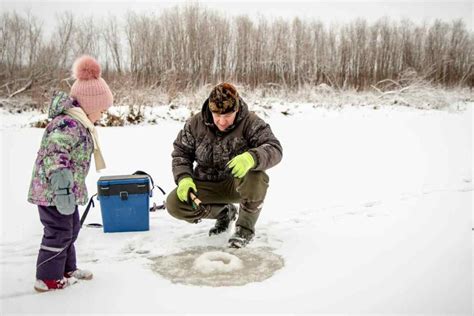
(201, 141)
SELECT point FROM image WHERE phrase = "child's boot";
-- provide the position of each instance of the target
(48, 285)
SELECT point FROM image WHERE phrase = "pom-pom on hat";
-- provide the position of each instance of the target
(89, 89)
(224, 98)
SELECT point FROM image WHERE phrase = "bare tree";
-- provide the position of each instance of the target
(190, 45)
(113, 40)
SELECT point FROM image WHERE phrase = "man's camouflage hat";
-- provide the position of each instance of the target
(224, 98)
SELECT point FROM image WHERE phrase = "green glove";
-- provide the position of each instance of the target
(184, 186)
(64, 199)
(241, 164)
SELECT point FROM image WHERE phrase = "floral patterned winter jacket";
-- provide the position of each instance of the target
(66, 143)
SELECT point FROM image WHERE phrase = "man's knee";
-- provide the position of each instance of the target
(178, 209)
(258, 177)
(254, 186)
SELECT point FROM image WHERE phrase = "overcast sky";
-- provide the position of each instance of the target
(326, 11)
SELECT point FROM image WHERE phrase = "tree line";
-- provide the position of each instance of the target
(189, 46)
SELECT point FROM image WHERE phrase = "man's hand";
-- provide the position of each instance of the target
(184, 186)
(64, 199)
(241, 164)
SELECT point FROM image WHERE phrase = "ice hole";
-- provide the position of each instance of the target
(207, 266)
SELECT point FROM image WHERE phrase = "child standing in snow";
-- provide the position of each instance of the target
(62, 164)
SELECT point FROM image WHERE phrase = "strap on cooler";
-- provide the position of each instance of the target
(91, 203)
(154, 207)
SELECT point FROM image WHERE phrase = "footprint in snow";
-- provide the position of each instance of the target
(371, 203)
(351, 213)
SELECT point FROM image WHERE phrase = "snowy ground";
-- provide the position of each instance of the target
(371, 211)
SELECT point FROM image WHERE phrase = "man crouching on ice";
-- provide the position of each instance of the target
(232, 148)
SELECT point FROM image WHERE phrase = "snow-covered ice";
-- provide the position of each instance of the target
(371, 211)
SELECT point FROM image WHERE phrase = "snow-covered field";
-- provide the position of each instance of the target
(371, 211)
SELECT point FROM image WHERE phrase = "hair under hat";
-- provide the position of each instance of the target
(224, 98)
(89, 89)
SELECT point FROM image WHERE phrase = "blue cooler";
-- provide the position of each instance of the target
(124, 202)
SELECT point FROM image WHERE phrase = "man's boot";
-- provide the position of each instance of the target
(245, 226)
(227, 215)
(241, 237)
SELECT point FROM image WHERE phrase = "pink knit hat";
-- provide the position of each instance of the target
(90, 90)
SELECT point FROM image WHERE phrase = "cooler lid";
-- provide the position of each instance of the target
(125, 179)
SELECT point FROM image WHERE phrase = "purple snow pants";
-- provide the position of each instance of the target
(57, 254)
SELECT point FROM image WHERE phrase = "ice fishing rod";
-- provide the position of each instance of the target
(196, 203)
